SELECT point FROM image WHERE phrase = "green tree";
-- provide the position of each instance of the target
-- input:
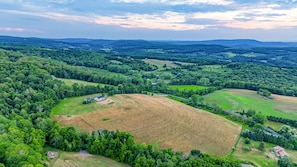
(261, 146)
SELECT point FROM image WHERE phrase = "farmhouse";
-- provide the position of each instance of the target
(51, 155)
(280, 152)
(89, 100)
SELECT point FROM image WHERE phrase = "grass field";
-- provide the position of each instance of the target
(238, 100)
(70, 82)
(75, 106)
(187, 87)
(82, 159)
(159, 119)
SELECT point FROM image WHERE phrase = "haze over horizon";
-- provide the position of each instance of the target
(264, 20)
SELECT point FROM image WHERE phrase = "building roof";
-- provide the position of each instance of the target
(280, 152)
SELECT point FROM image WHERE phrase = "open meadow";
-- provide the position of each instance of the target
(239, 100)
(158, 119)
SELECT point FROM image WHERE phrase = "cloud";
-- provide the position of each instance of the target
(177, 2)
(252, 15)
(12, 29)
(165, 21)
(261, 17)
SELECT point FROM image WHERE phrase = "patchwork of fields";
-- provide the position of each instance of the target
(239, 100)
(159, 119)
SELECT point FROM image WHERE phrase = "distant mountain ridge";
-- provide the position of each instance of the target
(239, 43)
(78, 42)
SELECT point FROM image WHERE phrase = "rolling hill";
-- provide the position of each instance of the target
(159, 119)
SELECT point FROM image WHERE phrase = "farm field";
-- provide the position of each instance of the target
(75, 106)
(239, 100)
(81, 159)
(187, 87)
(158, 119)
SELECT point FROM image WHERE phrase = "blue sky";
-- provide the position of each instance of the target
(266, 20)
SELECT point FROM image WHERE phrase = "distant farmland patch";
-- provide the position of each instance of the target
(238, 100)
(159, 119)
(160, 63)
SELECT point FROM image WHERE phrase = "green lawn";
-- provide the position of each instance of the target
(75, 106)
(239, 100)
(187, 87)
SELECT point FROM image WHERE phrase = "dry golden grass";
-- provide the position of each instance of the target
(67, 159)
(159, 119)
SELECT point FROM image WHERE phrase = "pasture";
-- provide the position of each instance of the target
(239, 100)
(158, 119)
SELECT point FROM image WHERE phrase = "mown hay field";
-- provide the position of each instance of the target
(82, 159)
(240, 99)
(158, 119)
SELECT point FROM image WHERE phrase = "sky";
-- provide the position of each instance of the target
(264, 20)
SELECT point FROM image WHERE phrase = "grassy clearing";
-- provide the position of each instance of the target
(274, 125)
(187, 87)
(75, 106)
(255, 156)
(167, 122)
(82, 159)
(70, 82)
(260, 158)
(239, 100)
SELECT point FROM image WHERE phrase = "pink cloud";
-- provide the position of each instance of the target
(12, 29)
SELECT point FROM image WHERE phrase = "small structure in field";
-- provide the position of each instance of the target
(94, 99)
(280, 152)
(51, 155)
